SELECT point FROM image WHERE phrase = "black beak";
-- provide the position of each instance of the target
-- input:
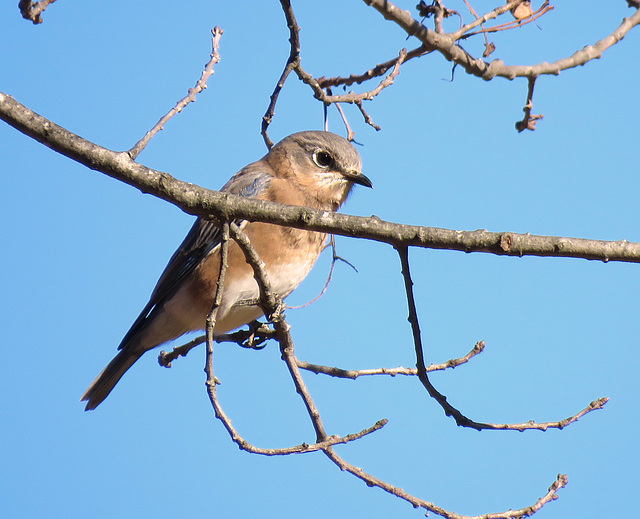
(358, 178)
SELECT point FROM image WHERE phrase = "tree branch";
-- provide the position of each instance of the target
(33, 11)
(352, 97)
(376, 71)
(355, 373)
(203, 202)
(272, 307)
(372, 481)
(449, 410)
(529, 16)
(446, 45)
(292, 62)
(529, 121)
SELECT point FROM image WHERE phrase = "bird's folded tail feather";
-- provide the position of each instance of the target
(105, 381)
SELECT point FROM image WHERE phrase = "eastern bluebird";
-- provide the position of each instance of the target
(314, 169)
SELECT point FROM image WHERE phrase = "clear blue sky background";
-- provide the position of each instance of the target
(81, 253)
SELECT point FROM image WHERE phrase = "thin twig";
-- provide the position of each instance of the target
(256, 335)
(350, 133)
(200, 85)
(544, 9)
(211, 319)
(212, 381)
(367, 117)
(462, 420)
(166, 358)
(479, 21)
(441, 12)
(301, 448)
(560, 424)
(269, 301)
(529, 121)
(488, 47)
(355, 373)
(292, 61)
(449, 410)
(371, 481)
(253, 338)
(273, 307)
(217, 301)
(352, 97)
(376, 71)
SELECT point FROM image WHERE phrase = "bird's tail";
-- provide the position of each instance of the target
(105, 382)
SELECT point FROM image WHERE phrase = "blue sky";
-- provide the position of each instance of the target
(82, 253)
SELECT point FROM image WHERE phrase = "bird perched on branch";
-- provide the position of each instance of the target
(314, 169)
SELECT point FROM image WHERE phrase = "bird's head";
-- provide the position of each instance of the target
(323, 164)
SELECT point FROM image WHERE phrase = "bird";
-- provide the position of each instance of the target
(316, 169)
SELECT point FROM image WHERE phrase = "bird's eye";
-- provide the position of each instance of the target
(322, 159)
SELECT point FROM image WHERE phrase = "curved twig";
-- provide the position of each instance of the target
(449, 410)
(352, 97)
(292, 62)
(560, 482)
(376, 71)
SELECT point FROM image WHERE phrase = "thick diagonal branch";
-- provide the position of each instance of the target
(203, 202)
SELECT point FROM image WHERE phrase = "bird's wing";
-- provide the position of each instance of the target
(202, 239)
